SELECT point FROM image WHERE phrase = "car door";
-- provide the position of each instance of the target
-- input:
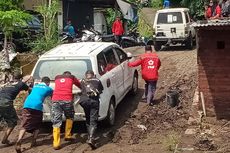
(115, 71)
(105, 80)
(128, 75)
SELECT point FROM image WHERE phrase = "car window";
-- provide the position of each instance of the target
(187, 18)
(110, 59)
(101, 62)
(121, 55)
(169, 18)
(36, 22)
(52, 68)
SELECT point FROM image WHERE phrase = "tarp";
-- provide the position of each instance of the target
(128, 10)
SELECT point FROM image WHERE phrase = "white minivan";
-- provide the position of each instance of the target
(107, 60)
(173, 26)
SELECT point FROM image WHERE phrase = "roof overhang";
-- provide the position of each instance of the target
(212, 24)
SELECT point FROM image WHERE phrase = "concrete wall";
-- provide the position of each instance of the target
(31, 4)
(214, 70)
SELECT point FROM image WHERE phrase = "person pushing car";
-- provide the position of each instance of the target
(62, 101)
(150, 64)
(8, 94)
(91, 90)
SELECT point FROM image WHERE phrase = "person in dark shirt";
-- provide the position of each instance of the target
(91, 90)
(8, 93)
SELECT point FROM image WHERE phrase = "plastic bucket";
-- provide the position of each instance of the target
(172, 98)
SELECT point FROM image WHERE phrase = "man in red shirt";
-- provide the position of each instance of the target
(118, 30)
(150, 64)
(62, 101)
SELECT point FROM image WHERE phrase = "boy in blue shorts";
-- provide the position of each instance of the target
(32, 111)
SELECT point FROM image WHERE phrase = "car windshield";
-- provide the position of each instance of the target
(52, 68)
(169, 18)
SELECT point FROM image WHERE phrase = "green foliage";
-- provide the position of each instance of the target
(11, 21)
(144, 29)
(156, 4)
(196, 7)
(7, 5)
(41, 45)
(50, 27)
(170, 141)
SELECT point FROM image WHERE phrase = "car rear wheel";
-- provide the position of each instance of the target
(189, 43)
(157, 46)
(110, 119)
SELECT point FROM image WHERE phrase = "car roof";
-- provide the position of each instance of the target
(77, 49)
(173, 10)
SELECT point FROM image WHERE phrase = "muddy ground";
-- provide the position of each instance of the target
(165, 126)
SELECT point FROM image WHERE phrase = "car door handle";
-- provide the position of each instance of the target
(108, 83)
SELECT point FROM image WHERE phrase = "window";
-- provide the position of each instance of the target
(101, 62)
(169, 18)
(110, 59)
(52, 68)
(187, 18)
(121, 55)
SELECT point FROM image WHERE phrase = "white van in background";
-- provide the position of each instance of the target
(173, 26)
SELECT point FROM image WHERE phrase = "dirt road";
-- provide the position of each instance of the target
(164, 125)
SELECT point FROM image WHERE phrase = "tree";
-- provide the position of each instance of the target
(7, 5)
(50, 37)
(196, 8)
(11, 21)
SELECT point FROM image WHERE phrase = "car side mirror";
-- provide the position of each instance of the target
(129, 55)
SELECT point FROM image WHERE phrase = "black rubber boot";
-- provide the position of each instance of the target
(91, 139)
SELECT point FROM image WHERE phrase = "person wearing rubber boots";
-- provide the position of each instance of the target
(32, 112)
(8, 94)
(150, 64)
(62, 101)
(91, 90)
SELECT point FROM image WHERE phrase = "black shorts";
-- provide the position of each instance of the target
(9, 115)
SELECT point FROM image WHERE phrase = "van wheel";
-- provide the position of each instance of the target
(110, 119)
(134, 89)
(157, 46)
(189, 43)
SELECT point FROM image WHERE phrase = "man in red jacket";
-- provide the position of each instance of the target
(118, 30)
(62, 101)
(150, 64)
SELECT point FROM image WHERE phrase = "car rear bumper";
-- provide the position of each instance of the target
(172, 40)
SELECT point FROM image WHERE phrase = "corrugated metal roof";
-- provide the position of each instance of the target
(211, 23)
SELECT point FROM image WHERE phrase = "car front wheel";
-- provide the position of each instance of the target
(189, 43)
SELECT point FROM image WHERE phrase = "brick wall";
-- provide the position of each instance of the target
(214, 70)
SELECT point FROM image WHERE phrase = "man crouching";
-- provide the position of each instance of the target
(91, 90)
